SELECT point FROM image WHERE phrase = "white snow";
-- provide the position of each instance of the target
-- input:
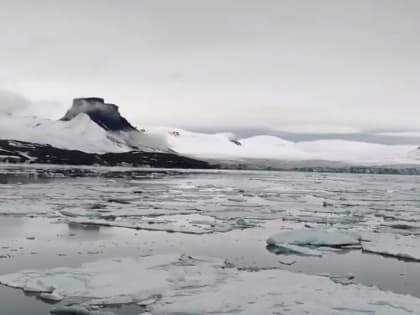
(80, 133)
(170, 285)
(220, 146)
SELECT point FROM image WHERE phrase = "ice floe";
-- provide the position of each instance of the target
(121, 281)
(172, 284)
(298, 241)
(180, 223)
(363, 202)
(392, 245)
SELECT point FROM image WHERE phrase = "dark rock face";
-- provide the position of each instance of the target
(234, 141)
(104, 114)
(12, 151)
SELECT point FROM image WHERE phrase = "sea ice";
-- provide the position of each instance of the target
(120, 281)
(393, 245)
(181, 223)
(170, 285)
(313, 238)
(51, 297)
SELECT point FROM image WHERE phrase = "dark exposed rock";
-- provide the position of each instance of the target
(237, 142)
(104, 114)
(12, 151)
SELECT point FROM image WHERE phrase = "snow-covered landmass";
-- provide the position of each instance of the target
(227, 146)
(93, 126)
(171, 284)
(81, 130)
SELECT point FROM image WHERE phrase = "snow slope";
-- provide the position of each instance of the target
(93, 126)
(221, 146)
(80, 133)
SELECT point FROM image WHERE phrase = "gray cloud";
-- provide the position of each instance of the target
(279, 64)
(12, 102)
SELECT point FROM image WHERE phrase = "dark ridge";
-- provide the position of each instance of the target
(237, 142)
(12, 151)
(104, 114)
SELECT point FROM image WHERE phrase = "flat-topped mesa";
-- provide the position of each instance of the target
(104, 114)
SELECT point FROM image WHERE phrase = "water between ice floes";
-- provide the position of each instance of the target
(234, 214)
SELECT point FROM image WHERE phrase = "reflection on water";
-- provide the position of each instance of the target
(16, 179)
(77, 227)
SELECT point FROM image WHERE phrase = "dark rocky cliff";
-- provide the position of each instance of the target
(104, 114)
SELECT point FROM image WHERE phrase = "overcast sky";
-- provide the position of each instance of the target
(325, 66)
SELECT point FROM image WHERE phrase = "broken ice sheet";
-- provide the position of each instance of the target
(392, 245)
(181, 223)
(283, 292)
(119, 281)
(289, 249)
(303, 241)
(172, 284)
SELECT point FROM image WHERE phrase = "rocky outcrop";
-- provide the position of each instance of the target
(104, 114)
(12, 151)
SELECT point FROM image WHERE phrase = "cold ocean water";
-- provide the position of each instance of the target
(137, 241)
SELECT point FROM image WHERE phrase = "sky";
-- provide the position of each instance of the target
(324, 66)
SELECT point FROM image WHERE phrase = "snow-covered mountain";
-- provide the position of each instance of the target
(92, 132)
(93, 126)
(226, 146)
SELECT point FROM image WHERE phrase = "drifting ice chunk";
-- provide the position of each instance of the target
(287, 249)
(393, 245)
(314, 238)
(170, 285)
(317, 238)
(295, 242)
(181, 223)
(120, 281)
(51, 297)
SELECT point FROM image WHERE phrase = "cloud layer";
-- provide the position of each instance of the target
(225, 64)
(12, 102)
